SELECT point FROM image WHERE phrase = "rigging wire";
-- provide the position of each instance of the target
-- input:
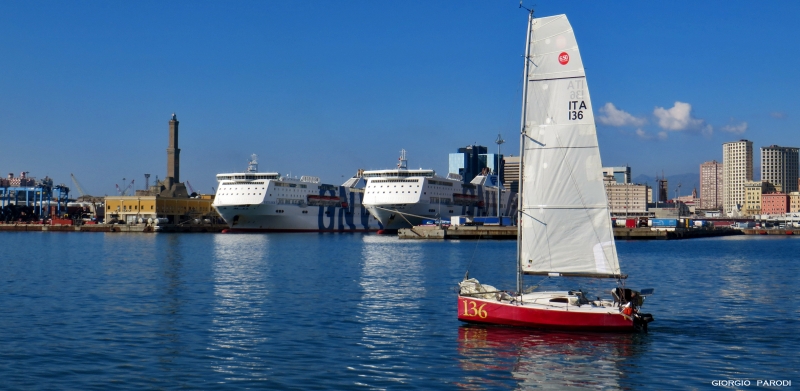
(475, 251)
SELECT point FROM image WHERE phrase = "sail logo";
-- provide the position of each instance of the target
(563, 58)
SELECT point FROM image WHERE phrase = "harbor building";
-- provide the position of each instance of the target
(753, 192)
(148, 208)
(711, 185)
(737, 161)
(774, 203)
(620, 174)
(779, 166)
(626, 199)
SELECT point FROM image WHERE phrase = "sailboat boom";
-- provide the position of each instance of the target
(589, 275)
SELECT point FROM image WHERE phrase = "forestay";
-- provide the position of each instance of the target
(565, 225)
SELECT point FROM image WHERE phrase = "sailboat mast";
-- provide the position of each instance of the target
(523, 120)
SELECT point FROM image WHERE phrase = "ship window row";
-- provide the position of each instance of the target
(398, 174)
(390, 192)
(226, 184)
(441, 200)
(381, 186)
(441, 183)
(283, 184)
(240, 194)
(394, 181)
(241, 183)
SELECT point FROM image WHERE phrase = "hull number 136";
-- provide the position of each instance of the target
(471, 308)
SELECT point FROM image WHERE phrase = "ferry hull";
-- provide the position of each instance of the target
(503, 313)
(405, 216)
(292, 218)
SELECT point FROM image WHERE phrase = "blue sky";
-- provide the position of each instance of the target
(324, 88)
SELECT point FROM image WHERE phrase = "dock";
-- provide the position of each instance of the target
(510, 232)
(770, 231)
(458, 232)
(135, 228)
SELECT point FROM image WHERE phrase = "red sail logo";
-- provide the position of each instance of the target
(563, 58)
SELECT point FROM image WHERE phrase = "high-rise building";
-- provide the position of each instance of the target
(737, 161)
(711, 185)
(468, 163)
(492, 161)
(663, 193)
(510, 173)
(779, 166)
(620, 174)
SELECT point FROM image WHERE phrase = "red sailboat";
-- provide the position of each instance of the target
(564, 224)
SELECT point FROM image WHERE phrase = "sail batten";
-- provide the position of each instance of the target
(566, 226)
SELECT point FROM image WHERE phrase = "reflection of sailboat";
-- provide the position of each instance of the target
(564, 223)
(545, 359)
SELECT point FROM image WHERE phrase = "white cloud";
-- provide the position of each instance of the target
(778, 114)
(614, 117)
(735, 129)
(647, 136)
(679, 118)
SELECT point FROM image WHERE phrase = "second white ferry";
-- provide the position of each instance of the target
(401, 198)
(253, 201)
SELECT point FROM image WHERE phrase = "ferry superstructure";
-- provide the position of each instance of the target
(401, 198)
(253, 201)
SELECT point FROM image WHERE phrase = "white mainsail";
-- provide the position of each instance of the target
(565, 226)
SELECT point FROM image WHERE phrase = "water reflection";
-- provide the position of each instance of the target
(545, 360)
(171, 303)
(240, 273)
(389, 311)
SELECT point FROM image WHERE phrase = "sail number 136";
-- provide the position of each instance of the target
(576, 110)
(471, 308)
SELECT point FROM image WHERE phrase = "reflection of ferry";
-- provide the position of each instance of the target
(268, 202)
(401, 198)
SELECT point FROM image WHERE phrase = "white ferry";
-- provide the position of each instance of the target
(253, 201)
(401, 198)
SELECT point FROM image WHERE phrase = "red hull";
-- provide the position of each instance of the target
(493, 312)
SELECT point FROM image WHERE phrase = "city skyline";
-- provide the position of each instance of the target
(324, 89)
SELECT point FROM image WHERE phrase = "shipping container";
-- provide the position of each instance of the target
(664, 222)
(458, 220)
(630, 223)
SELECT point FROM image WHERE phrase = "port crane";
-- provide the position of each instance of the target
(124, 192)
(191, 189)
(77, 185)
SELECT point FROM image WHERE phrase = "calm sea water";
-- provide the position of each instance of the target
(361, 311)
